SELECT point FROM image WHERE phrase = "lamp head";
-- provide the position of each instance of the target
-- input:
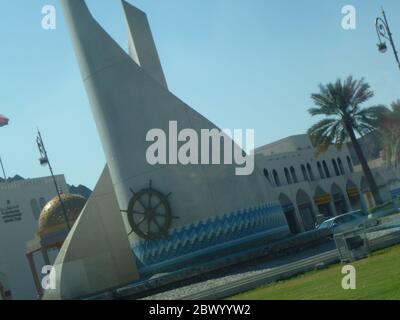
(43, 161)
(382, 47)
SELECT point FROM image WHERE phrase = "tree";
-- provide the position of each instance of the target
(340, 104)
(390, 131)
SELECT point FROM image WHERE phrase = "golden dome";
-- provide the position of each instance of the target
(52, 219)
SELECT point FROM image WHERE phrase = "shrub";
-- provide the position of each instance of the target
(382, 207)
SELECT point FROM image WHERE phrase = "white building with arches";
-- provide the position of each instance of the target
(313, 186)
(20, 205)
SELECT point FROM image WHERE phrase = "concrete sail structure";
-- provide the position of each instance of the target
(142, 47)
(208, 210)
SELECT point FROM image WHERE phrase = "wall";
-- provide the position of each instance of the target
(17, 226)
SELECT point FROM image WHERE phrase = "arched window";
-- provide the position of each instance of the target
(335, 167)
(294, 175)
(310, 172)
(326, 169)
(321, 172)
(266, 174)
(35, 209)
(287, 175)
(350, 164)
(42, 203)
(303, 170)
(341, 168)
(276, 178)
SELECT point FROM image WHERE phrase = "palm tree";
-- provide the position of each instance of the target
(390, 131)
(340, 104)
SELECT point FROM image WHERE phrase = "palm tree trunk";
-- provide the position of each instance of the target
(396, 157)
(364, 163)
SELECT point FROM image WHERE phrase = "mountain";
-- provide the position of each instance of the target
(15, 178)
(80, 190)
(372, 146)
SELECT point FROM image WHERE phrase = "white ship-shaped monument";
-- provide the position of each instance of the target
(147, 219)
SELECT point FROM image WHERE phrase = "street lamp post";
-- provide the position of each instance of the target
(44, 160)
(383, 31)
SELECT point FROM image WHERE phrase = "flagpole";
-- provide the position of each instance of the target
(4, 122)
(2, 167)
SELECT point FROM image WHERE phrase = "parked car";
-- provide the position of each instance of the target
(345, 222)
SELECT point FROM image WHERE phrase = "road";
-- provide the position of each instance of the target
(232, 282)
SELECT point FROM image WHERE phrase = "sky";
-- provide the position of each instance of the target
(244, 64)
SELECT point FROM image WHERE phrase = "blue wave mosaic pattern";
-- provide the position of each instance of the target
(395, 193)
(211, 232)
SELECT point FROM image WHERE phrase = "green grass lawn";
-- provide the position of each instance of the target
(378, 278)
(390, 218)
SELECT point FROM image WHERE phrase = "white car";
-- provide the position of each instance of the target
(345, 222)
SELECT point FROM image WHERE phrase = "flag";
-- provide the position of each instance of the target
(3, 121)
